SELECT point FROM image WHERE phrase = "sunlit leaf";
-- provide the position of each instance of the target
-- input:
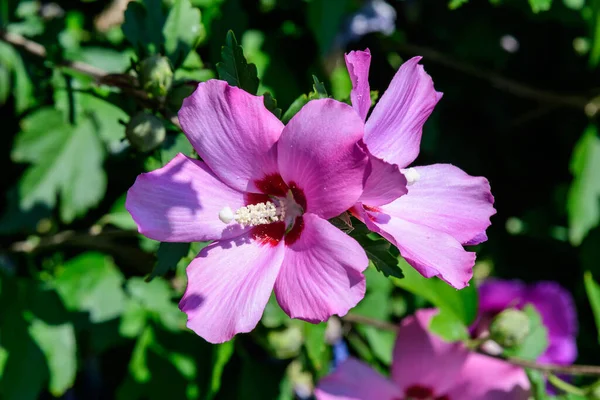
(540, 5)
(57, 342)
(583, 204)
(92, 283)
(593, 293)
(182, 31)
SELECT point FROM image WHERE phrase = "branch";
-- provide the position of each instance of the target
(583, 103)
(547, 368)
(122, 81)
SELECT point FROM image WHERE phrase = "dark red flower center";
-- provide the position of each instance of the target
(418, 392)
(274, 188)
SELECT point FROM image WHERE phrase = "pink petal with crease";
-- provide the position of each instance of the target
(229, 284)
(354, 380)
(430, 252)
(321, 273)
(384, 184)
(319, 152)
(448, 200)
(180, 202)
(233, 133)
(358, 63)
(394, 128)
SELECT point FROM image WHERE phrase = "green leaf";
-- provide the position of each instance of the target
(454, 4)
(143, 26)
(168, 256)
(119, 216)
(536, 341)
(319, 91)
(221, 355)
(15, 78)
(376, 304)
(593, 293)
(92, 283)
(67, 161)
(156, 298)
(540, 5)
(448, 326)
(461, 304)
(57, 342)
(234, 68)
(341, 85)
(316, 348)
(271, 104)
(538, 384)
(138, 365)
(378, 252)
(583, 203)
(294, 108)
(183, 31)
(133, 319)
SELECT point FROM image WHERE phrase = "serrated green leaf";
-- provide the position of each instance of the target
(57, 342)
(168, 256)
(536, 341)
(92, 283)
(183, 31)
(378, 252)
(583, 203)
(593, 293)
(234, 69)
(540, 5)
(67, 161)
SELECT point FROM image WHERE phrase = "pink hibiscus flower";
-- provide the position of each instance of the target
(445, 208)
(263, 193)
(425, 367)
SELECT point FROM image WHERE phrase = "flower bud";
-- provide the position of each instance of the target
(145, 131)
(156, 76)
(510, 328)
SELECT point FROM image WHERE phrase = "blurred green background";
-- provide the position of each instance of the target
(77, 319)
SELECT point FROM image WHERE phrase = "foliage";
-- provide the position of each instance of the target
(88, 306)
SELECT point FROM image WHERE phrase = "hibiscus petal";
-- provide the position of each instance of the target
(496, 294)
(384, 184)
(321, 273)
(422, 359)
(233, 132)
(180, 202)
(229, 285)
(394, 128)
(319, 153)
(446, 199)
(486, 378)
(358, 63)
(354, 380)
(429, 251)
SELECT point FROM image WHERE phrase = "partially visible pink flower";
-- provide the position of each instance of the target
(425, 367)
(445, 208)
(554, 303)
(263, 193)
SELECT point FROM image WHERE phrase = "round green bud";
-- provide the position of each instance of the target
(145, 131)
(510, 328)
(156, 76)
